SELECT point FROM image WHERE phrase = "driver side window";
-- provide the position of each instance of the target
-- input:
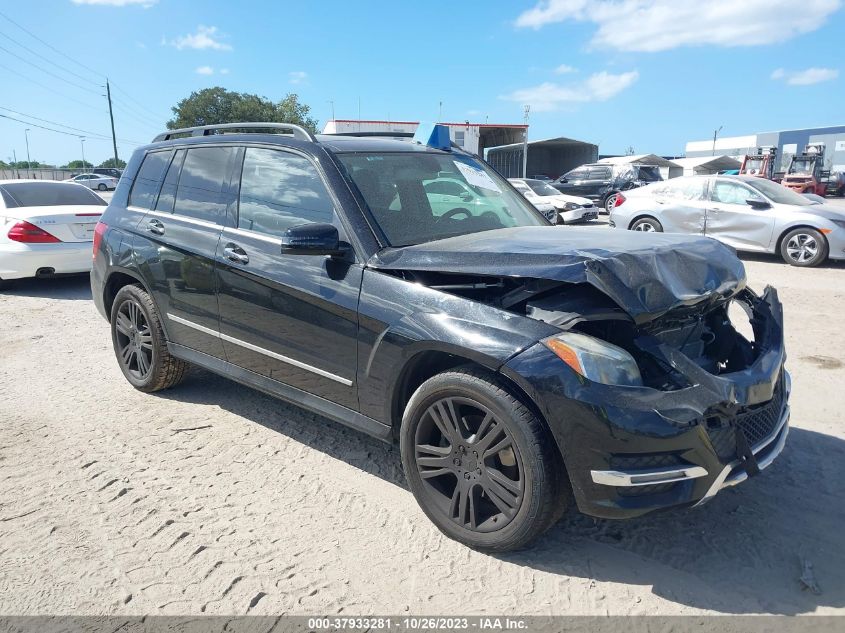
(732, 193)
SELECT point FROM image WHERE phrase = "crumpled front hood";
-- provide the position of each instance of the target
(646, 274)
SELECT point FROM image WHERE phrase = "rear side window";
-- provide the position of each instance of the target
(204, 175)
(599, 173)
(45, 194)
(579, 174)
(280, 190)
(148, 181)
(171, 180)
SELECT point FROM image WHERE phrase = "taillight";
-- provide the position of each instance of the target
(619, 200)
(99, 231)
(31, 234)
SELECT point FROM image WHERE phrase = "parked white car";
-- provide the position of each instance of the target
(46, 228)
(571, 209)
(96, 181)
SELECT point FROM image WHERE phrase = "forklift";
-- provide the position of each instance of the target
(761, 164)
(805, 173)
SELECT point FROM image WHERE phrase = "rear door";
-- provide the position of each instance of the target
(680, 205)
(181, 238)
(732, 220)
(292, 318)
(597, 183)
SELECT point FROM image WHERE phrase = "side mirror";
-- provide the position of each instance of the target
(312, 239)
(759, 205)
(563, 179)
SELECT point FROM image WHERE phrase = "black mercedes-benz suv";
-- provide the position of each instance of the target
(523, 368)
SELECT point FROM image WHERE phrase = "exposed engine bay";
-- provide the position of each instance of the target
(702, 332)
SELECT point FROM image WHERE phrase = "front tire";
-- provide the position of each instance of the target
(647, 224)
(482, 466)
(803, 247)
(139, 342)
(102, 187)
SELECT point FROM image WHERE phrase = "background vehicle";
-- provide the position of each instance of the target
(542, 177)
(761, 164)
(600, 182)
(46, 228)
(108, 171)
(746, 212)
(806, 173)
(96, 181)
(571, 209)
(316, 269)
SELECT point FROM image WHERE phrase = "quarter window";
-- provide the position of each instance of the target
(204, 174)
(280, 190)
(148, 181)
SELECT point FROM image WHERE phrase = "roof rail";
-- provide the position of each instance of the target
(205, 130)
(373, 134)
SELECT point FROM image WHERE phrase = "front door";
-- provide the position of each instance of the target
(733, 220)
(292, 318)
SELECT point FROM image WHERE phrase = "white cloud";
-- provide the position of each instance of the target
(551, 96)
(206, 37)
(565, 69)
(224, 71)
(297, 77)
(118, 3)
(657, 25)
(806, 77)
(205, 70)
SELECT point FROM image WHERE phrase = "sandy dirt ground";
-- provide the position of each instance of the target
(212, 498)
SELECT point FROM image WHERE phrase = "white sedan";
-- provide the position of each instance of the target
(571, 208)
(96, 181)
(46, 228)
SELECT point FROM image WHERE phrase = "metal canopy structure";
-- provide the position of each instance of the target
(550, 157)
(702, 165)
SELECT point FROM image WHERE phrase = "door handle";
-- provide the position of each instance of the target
(156, 227)
(235, 253)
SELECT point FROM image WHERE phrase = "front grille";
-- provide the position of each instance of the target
(756, 423)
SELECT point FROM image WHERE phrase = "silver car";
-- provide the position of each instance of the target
(96, 181)
(746, 212)
(570, 208)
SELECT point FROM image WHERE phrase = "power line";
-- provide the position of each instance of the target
(50, 89)
(88, 132)
(46, 59)
(136, 113)
(49, 72)
(50, 46)
(129, 96)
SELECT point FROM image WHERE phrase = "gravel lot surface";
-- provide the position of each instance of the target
(213, 498)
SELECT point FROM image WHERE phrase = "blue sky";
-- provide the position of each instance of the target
(650, 74)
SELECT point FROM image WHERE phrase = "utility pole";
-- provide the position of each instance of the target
(440, 113)
(82, 145)
(15, 160)
(111, 116)
(715, 134)
(28, 161)
(525, 143)
(332, 102)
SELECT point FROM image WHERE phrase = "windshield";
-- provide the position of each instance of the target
(417, 197)
(542, 188)
(777, 193)
(753, 166)
(649, 173)
(801, 166)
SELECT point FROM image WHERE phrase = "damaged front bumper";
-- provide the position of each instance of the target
(634, 450)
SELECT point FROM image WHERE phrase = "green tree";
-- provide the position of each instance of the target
(22, 164)
(119, 163)
(77, 164)
(212, 106)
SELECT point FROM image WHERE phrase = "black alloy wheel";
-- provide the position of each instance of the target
(483, 467)
(134, 340)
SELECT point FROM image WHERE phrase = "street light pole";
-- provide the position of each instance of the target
(715, 134)
(82, 145)
(28, 162)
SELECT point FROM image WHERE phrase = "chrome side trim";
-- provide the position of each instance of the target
(259, 350)
(646, 477)
(253, 234)
(725, 479)
(184, 218)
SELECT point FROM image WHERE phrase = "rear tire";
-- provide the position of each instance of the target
(140, 345)
(647, 224)
(102, 187)
(803, 247)
(610, 202)
(482, 466)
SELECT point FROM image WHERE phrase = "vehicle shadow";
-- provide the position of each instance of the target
(70, 288)
(742, 553)
(770, 258)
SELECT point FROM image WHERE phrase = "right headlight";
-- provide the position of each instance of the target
(595, 359)
(570, 206)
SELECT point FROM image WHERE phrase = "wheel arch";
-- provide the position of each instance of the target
(789, 229)
(117, 279)
(642, 216)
